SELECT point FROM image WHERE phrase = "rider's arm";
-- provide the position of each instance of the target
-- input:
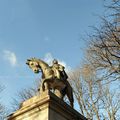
(61, 68)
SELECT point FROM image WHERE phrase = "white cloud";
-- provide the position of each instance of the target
(10, 57)
(49, 58)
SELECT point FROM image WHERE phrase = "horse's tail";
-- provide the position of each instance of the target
(69, 92)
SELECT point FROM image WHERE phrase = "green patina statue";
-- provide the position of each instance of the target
(53, 78)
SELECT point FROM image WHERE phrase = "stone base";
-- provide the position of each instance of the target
(46, 107)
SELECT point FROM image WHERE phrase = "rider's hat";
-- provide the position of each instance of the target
(55, 61)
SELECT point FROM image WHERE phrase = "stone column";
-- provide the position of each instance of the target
(47, 106)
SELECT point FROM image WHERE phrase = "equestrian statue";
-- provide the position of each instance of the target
(53, 78)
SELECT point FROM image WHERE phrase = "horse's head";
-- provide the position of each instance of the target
(33, 64)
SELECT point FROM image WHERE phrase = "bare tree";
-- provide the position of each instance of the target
(95, 100)
(25, 94)
(3, 110)
(83, 81)
(96, 95)
(104, 47)
(111, 103)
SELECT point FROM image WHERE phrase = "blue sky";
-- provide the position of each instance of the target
(45, 29)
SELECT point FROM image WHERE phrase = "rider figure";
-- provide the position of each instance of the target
(59, 70)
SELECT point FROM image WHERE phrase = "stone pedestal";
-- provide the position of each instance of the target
(47, 106)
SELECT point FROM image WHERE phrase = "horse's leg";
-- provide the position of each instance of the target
(44, 85)
(45, 82)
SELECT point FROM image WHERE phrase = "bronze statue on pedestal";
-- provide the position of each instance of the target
(53, 78)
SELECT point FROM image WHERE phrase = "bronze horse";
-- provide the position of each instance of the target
(49, 81)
